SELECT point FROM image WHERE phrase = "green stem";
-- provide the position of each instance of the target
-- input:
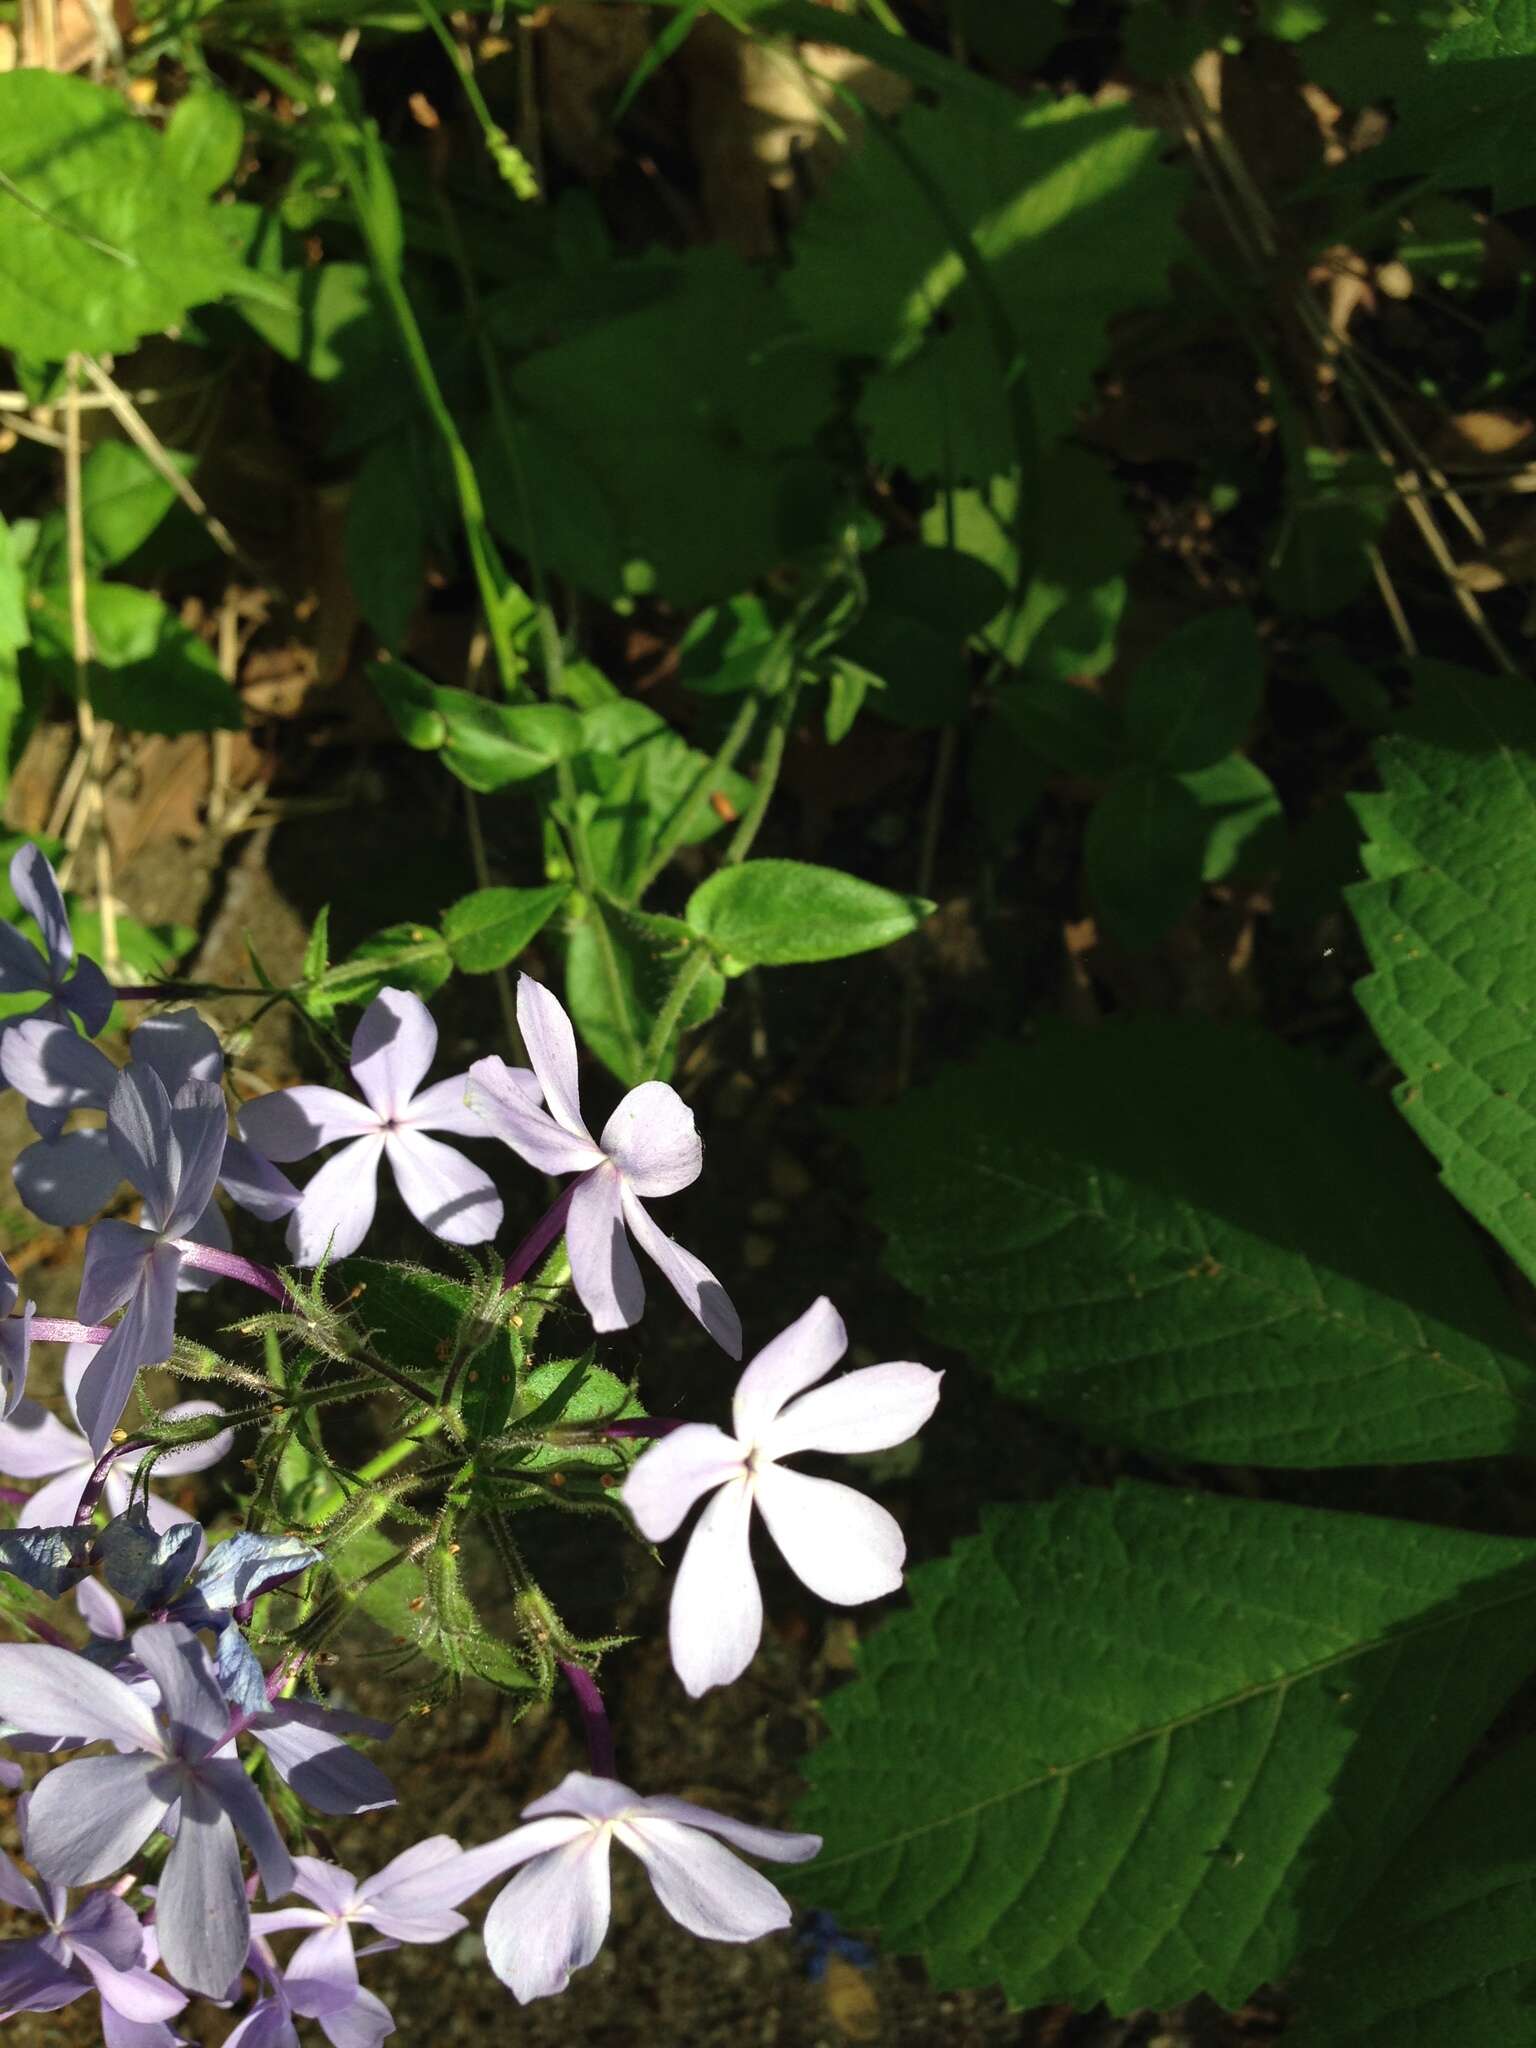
(489, 576)
(512, 166)
(767, 773)
(672, 1009)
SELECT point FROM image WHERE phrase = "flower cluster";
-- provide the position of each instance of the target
(139, 1827)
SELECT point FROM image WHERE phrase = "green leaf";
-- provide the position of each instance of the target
(1243, 820)
(123, 500)
(491, 927)
(1144, 855)
(728, 648)
(409, 956)
(1443, 1952)
(203, 140)
(923, 604)
(1192, 699)
(1043, 190)
(386, 538)
(775, 913)
(1213, 1762)
(1449, 923)
(149, 674)
(14, 629)
(647, 953)
(1071, 729)
(1318, 560)
(102, 243)
(486, 744)
(1065, 625)
(632, 489)
(1084, 1216)
(635, 772)
(598, 1396)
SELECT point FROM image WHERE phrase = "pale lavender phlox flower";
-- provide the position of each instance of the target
(837, 1542)
(36, 1445)
(392, 1048)
(90, 1816)
(68, 983)
(412, 1899)
(552, 1917)
(349, 2016)
(15, 1342)
(98, 1944)
(69, 1178)
(171, 1152)
(649, 1147)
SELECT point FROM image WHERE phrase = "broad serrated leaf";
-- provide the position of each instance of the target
(1197, 1240)
(1042, 190)
(1450, 927)
(100, 242)
(1443, 1952)
(1201, 1762)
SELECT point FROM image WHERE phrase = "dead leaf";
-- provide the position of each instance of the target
(1487, 430)
(853, 2004)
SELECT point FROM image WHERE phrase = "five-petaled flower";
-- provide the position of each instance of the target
(649, 1147)
(68, 983)
(96, 1944)
(552, 1917)
(840, 1544)
(392, 1048)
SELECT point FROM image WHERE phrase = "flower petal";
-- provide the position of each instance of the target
(36, 888)
(795, 1359)
(551, 1918)
(443, 1107)
(675, 1472)
(35, 1444)
(190, 1698)
(393, 1046)
(716, 1622)
(53, 1506)
(414, 1896)
(868, 1410)
(551, 1047)
(702, 1885)
(53, 1065)
(250, 1179)
(144, 1336)
(583, 1792)
(653, 1141)
(86, 1819)
(290, 1123)
(700, 1292)
(507, 1109)
(90, 995)
(69, 1179)
(777, 1845)
(211, 1229)
(115, 1258)
(841, 1544)
(202, 1916)
(322, 1770)
(603, 1268)
(180, 1047)
(228, 1783)
(337, 1207)
(199, 1125)
(442, 1189)
(140, 1131)
(363, 2024)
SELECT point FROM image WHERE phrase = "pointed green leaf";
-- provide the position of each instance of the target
(491, 927)
(1194, 1239)
(1450, 927)
(1194, 697)
(774, 913)
(1443, 1953)
(1227, 1716)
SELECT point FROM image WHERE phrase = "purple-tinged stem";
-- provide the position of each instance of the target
(98, 1479)
(642, 1425)
(46, 1633)
(156, 991)
(231, 1266)
(539, 1239)
(594, 1718)
(12, 1496)
(60, 1330)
